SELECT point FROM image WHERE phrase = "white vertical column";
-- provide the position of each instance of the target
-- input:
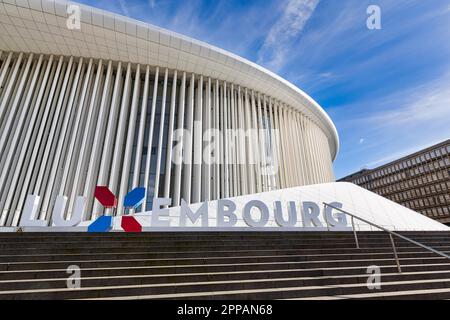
(314, 152)
(225, 142)
(287, 143)
(309, 179)
(283, 145)
(217, 138)
(45, 141)
(284, 163)
(318, 150)
(98, 127)
(241, 151)
(233, 138)
(325, 164)
(141, 132)
(268, 137)
(77, 127)
(206, 196)
(89, 123)
(213, 155)
(161, 134)
(60, 143)
(250, 153)
(12, 80)
(262, 147)
(120, 134)
(292, 169)
(19, 128)
(9, 87)
(290, 145)
(301, 161)
(255, 142)
(187, 183)
(222, 143)
(108, 143)
(150, 140)
(198, 143)
(309, 150)
(168, 166)
(4, 69)
(238, 116)
(38, 137)
(273, 148)
(179, 154)
(22, 155)
(18, 95)
(299, 149)
(295, 149)
(277, 142)
(124, 180)
(323, 160)
(229, 146)
(49, 143)
(82, 104)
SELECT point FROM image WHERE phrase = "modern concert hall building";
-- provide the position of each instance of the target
(101, 102)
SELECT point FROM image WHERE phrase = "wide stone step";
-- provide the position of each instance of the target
(207, 246)
(124, 255)
(118, 236)
(218, 259)
(205, 242)
(137, 271)
(425, 294)
(184, 243)
(218, 267)
(251, 289)
(54, 283)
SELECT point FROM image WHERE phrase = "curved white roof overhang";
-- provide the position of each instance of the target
(40, 26)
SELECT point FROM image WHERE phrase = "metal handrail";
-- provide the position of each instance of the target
(391, 233)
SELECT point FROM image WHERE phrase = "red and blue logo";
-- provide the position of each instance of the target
(132, 200)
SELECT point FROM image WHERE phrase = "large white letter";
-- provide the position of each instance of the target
(248, 219)
(28, 218)
(58, 212)
(292, 214)
(222, 213)
(341, 218)
(310, 214)
(185, 211)
(158, 211)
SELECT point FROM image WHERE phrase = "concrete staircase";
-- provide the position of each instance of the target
(233, 265)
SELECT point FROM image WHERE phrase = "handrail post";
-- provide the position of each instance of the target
(395, 253)
(354, 233)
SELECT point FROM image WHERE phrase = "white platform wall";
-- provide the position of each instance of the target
(355, 200)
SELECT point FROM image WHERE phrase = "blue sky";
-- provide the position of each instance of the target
(387, 91)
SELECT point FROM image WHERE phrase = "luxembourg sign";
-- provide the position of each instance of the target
(224, 214)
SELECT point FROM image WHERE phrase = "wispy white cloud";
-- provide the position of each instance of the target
(425, 104)
(280, 37)
(405, 121)
(124, 8)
